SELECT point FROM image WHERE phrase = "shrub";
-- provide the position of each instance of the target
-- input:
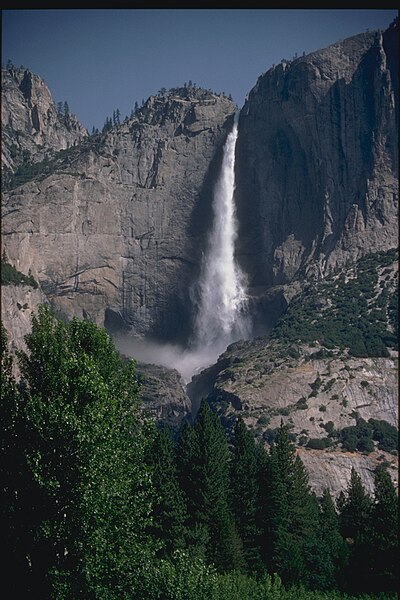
(319, 443)
(10, 276)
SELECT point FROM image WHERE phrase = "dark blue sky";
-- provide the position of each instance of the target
(101, 59)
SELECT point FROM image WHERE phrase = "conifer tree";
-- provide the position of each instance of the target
(355, 512)
(383, 536)
(291, 514)
(354, 520)
(245, 481)
(330, 537)
(169, 510)
(204, 472)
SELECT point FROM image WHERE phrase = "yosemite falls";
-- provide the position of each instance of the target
(221, 287)
(219, 295)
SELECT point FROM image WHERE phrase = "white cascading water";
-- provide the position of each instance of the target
(221, 288)
(220, 293)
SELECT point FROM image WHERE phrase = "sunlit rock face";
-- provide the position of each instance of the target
(317, 182)
(115, 232)
(31, 126)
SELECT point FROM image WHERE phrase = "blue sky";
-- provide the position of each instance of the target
(102, 59)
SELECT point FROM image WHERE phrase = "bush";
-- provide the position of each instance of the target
(10, 276)
(319, 443)
(385, 434)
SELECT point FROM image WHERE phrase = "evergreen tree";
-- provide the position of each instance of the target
(383, 536)
(136, 106)
(60, 109)
(245, 481)
(66, 109)
(356, 508)
(107, 125)
(169, 510)
(354, 520)
(291, 515)
(330, 536)
(204, 471)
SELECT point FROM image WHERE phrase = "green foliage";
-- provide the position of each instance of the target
(86, 455)
(385, 434)
(169, 509)
(10, 276)
(346, 314)
(319, 443)
(355, 515)
(203, 468)
(96, 503)
(244, 469)
(383, 533)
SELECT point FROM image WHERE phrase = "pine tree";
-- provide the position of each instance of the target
(354, 521)
(66, 109)
(291, 514)
(355, 512)
(383, 536)
(204, 471)
(245, 480)
(169, 510)
(335, 547)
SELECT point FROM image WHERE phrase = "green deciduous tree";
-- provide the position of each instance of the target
(86, 455)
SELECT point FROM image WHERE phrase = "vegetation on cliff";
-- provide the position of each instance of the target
(355, 310)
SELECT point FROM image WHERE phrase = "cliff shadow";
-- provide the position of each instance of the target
(175, 322)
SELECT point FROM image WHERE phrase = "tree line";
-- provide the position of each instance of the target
(99, 503)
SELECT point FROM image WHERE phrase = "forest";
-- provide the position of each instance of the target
(99, 503)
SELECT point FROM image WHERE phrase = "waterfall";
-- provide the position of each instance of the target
(221, 293)
(219, 296)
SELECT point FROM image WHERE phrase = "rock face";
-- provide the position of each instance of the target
(115, 232)
(318, 160)
(32, 128)
(18, 303)
(163, 395)
(263, 383)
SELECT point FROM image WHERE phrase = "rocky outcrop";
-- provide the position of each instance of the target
(18, 304)
(32, 128)
(163, 395)
(115, 232)
(269, 382)
(318, 161)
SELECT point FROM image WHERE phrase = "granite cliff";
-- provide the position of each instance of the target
(32, 127)
(113, 227)
(318, 161)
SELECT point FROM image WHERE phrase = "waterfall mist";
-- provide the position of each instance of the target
(219, 296)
